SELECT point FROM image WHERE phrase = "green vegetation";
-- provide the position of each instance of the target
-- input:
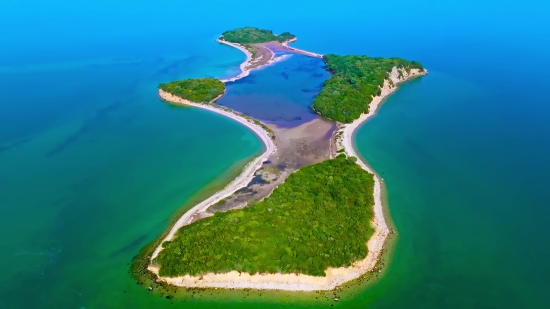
(319, 217)
(253, 51)
(355, 81)
(199, 90)
(251, 35)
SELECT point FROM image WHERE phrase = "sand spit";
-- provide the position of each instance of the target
(251, 64)
(334, 276)
(299, 51)
(305, 144)
(240, 182)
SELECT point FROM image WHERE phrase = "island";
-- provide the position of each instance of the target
(198, 90)
(312, 225)
(251, 35)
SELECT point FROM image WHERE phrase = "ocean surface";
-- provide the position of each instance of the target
(93, 166)
(281, 93)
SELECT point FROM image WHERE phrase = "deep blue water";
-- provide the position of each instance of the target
(93, 164)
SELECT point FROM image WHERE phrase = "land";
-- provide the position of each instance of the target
(198, 90)
(242, 237)
(199, 210)
(251, 35)
(303, 145)
(354, 81)
(297, 50)
(258, 46)
(304, 226)
(257, 56)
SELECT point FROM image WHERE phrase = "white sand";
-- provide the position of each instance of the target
(240, 182)
(335, 276)
(245, 71)
(301, 51)
(376, 243)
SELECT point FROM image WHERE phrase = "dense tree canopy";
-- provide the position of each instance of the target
(319, 217)
(355, 81)
(199, 90)
(251, 35)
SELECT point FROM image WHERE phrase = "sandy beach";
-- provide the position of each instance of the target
(376, 243)
(299, 51)
(305, 144)
(252, 64)
(241, 181)
(299, 282)
(266, 57)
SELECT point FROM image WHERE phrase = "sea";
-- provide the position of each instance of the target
(94, 166)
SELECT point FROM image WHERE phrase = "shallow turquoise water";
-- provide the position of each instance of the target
(93, 164)
(468, 205)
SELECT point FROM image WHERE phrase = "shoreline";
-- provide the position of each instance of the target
(239, 182)
(382, 231)
(334, 276)
(299, 51)
(243, 66)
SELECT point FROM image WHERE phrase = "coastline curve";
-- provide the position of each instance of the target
(239, 182)
(334, 276)
(382, 231)
(300, 51)
(243, 66)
